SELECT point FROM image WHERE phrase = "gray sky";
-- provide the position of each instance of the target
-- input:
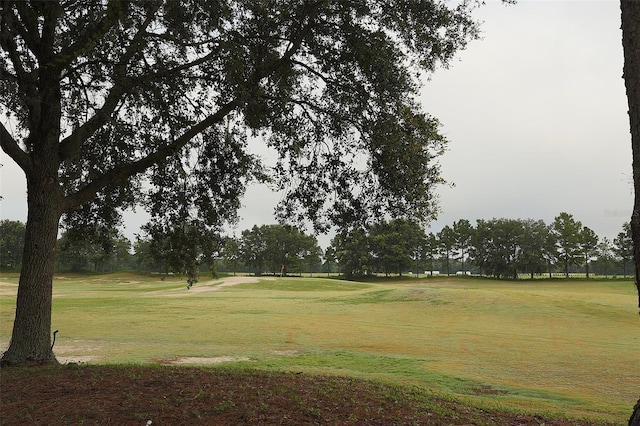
(537, 117)
(535, 113)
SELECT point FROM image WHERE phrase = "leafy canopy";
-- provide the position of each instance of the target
(122, 101)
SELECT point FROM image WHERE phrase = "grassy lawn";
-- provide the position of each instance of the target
(563, 347)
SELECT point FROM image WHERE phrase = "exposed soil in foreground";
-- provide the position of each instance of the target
(171, 395)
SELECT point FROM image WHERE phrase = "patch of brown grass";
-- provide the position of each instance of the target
(169, 395)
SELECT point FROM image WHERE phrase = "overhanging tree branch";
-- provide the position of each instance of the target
(70, 146)
(7, 75)
(125, 171)
(29, 28)
(116, 9)
(25, 79)
(13, 150)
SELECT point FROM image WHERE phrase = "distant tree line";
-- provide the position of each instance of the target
(500, 248)
(80, 249)
(267, 249)
(94, 249)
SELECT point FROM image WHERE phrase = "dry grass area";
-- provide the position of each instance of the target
(169, 395)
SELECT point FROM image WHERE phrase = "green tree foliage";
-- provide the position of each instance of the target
(538, 249)
(106, 96)
(231, 253)
(567, 233)
(501, 248)
(11, 244)
(623, 247)
(311, 254)
(463, 233)
(330, 258)
(389, 247)
(497, 247)
(396, 245)
(353, 252)
(446, 245)
(430, 251)
(505, 247)
(144, 258)
(253, 249)
(182, 248)
(588, 246)
(605, 255)
(93, 249)
(268, 248)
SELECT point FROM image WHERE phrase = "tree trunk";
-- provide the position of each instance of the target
(448, 269)
(635, 417)
(586, 266)
(31, 337)
(631, 46)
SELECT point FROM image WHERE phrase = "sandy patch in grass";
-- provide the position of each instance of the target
(68, 352)
(76, 359)
(286, 353)
(216, 285)
(209, 286)
(216, 359)
(201, 360)
(8, 289)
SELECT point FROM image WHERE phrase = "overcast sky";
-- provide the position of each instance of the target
(535, 113)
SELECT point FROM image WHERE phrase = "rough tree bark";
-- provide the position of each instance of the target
(31, 336)
(631, 46)
(635, 417)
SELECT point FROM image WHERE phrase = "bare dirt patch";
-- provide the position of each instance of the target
(66, 354)
(286, 353)
(77, 359)
(201, 360)
(173, 395)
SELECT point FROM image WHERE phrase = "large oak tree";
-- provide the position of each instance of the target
(111, 103)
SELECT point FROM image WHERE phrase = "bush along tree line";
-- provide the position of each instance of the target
(500, 248)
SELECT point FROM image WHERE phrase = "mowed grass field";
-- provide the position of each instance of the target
(562, 347)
